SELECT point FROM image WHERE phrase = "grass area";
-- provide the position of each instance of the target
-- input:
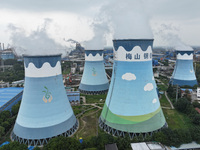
(164, 102)
(177, 120)
(162, 87)
(78, 109)
(66, 71)
(163, 79)
(95, 98)
(101, 105)
(88, 124)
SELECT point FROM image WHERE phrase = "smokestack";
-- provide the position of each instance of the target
(0, 46)
(132, 105)
(3, 46)
(45, 111)
(94, 80)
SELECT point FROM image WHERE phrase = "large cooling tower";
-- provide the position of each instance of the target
(132, 105)
(184, 72)
(94, 80)
(45, 111)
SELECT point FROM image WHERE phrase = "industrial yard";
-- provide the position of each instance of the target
(95, 75)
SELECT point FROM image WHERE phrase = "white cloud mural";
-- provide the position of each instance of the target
(129, 76)
(148, 87)
(154, 100)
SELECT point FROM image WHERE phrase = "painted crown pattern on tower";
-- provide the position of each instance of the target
(132, 105)
(184, 71)
(45, 111)
(94, 80)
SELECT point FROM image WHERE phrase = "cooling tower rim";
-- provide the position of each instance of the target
(51, 55)
(180, 50)
(94, 50)
(145, 39)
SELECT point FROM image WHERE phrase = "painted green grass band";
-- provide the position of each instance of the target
(113, 118)
(153, 124)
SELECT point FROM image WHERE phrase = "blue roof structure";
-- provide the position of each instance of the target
(5, 143)
(7, 94)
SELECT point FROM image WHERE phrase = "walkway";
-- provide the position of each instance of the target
(169, 100)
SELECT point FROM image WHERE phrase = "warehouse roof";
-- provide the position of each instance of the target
(7, 94)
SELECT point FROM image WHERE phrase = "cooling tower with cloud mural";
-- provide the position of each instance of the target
(132, 105)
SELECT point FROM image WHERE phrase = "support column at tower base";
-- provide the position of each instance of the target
(93, 92)
(40, 142)
(115, 132)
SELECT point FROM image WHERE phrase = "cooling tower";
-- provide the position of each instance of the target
(132, 105)
(94, 80)
(45, 111)
(184, 72)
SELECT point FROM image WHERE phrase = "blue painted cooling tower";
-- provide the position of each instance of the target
(184, 72)
(94, 80)
(45, 111)
(132, 105)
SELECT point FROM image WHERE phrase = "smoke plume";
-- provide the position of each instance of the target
(37, 42)
(168, 35)
(127, 19)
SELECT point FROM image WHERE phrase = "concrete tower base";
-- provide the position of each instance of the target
(119, 133)
(38, 142)
(93, 92)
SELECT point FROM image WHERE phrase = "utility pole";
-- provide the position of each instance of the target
(97, 123)
(2, 65)
(176, 92)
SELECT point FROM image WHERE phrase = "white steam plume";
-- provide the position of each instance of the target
(168, 35)
(118, 19)
(37, 42)
(100, 30)
(127, 19)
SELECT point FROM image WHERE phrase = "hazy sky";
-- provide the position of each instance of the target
(77, 19)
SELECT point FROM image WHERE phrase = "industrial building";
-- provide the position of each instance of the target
(132, 105)
(45, 111)
(184, 73)
(74, 97)
(94, 80)
(9, 97)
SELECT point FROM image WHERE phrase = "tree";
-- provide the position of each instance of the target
(5, 115)
(196, 104)
(63, 143)
(182, 104)
(196, 119)
(6, 125)
(15, 109)
(14, 146)
(160, 137)
(2, 131)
